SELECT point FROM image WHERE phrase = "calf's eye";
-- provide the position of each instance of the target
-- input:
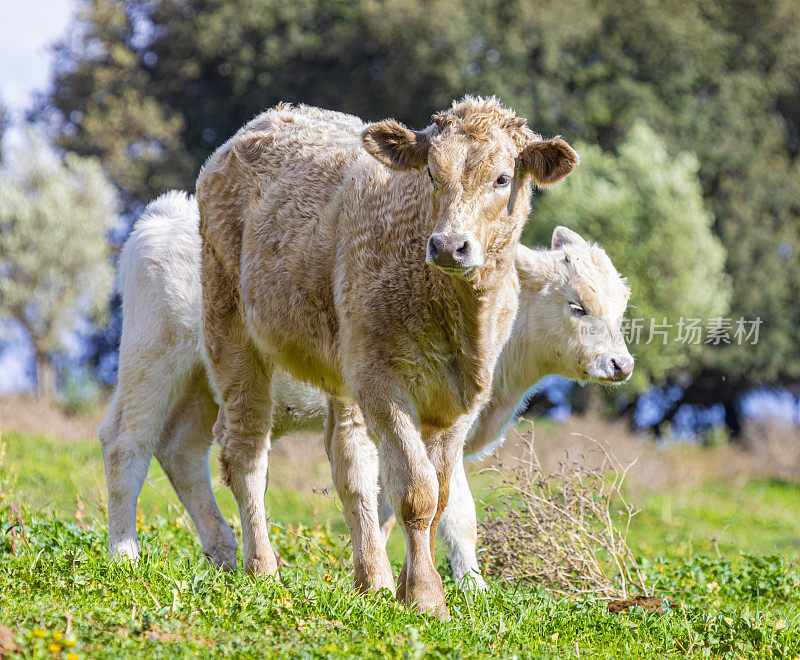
(576, 309)
(502, 181)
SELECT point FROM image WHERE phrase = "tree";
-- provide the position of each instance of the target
(101, 93)
(54, 255)
(646, 209)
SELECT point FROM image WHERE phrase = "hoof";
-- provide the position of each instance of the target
(374, 583)
(472, 581)
(127, 549)
(262, 566)
(223, 554)
(440, 611)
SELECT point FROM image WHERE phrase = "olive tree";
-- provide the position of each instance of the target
(54, 254)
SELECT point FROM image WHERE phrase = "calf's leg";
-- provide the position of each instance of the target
(354, 465)
(183, 453)
(128, 437)
(459, 530)
(243, 432)
(240, 376)
(411, 484)
(386, 517)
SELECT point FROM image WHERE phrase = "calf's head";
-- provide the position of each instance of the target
(480, 161)
(581, 300)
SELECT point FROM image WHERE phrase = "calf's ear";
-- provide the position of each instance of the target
(563, 236)
(397, 146)
(548, 161)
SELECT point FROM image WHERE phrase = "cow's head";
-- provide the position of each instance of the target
(480, 160)
(581, 303)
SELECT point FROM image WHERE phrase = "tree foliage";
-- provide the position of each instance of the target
(152, 87)
(54, 253)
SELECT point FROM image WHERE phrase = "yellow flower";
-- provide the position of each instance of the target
(38, 632)
(54, 648)
(57, 635)
(69, 643)
(72, 656)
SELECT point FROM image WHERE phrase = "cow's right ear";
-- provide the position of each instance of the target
(397, 146)
(548, 161)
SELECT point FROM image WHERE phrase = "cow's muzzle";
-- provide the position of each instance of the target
(454, 253)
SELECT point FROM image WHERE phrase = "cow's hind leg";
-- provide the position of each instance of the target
(386, 516)
(128, 437)
(243, 432)
(183, 454)
(241, 376)
(354, 465)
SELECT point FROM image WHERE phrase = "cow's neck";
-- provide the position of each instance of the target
(470, 313)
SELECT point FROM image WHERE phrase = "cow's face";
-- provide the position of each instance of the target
(584, 303)
(479, 160)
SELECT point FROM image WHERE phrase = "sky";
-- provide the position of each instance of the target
(27, 30)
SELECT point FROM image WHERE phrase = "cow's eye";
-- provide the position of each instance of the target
(577, 309)
(430, 176)
(502, 181)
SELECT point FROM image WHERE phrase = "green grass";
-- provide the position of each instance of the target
(761, 516)
(48, 476)
(54, 572)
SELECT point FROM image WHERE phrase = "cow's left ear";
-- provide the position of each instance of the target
(548, 161)
(396, 145)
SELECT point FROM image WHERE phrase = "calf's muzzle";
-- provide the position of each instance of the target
(454, 252)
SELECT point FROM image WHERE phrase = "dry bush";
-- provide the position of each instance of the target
(565, 530)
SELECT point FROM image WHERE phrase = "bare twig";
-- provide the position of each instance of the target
(560, 530)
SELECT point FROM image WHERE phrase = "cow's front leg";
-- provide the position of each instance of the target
(412, 487)
(354, 465)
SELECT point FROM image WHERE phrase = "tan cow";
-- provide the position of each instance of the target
(376, 263)
(163, 403)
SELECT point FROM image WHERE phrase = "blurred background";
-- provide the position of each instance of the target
(686, 116)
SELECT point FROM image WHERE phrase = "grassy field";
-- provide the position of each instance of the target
(723, 551)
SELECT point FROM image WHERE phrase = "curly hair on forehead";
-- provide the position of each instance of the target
(478, 117)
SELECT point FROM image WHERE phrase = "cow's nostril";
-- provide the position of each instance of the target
(433, 252)
(462, 252)
(622, 367)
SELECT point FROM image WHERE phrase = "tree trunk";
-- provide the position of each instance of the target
(45, 378)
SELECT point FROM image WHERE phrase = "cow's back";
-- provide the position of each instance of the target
(286, 156)
(270, 199)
